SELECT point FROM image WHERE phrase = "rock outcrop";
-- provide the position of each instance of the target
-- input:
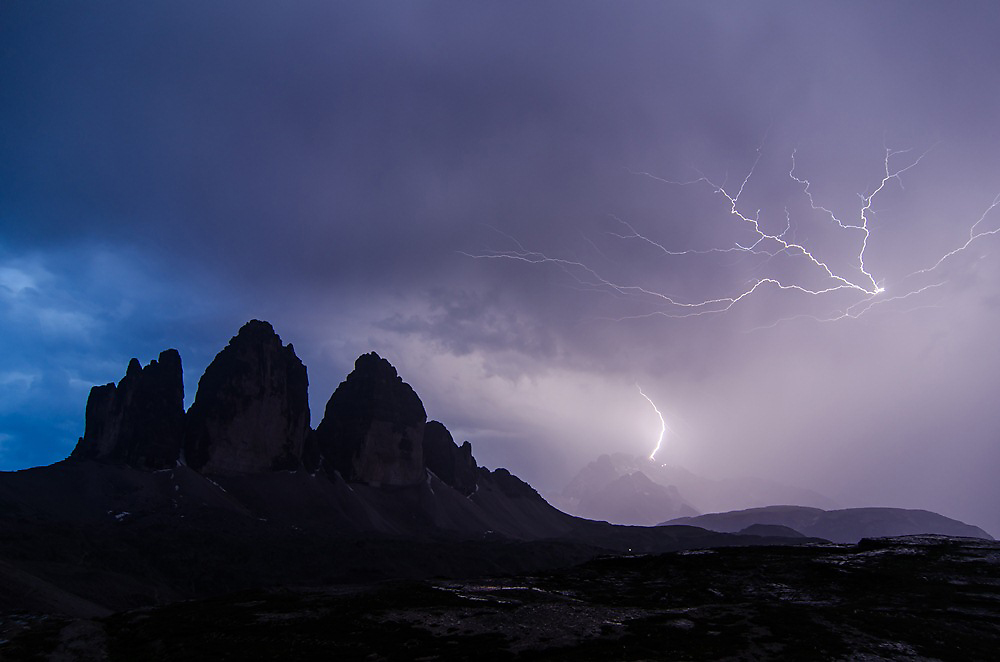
(373, 427)
(251, 412)
(139, 422)
(454, 465)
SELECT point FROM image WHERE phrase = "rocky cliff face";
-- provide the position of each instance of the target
(251, 412)
(373, 427)
(139, 422)
(454, 465)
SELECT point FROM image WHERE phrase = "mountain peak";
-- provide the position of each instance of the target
(139, 422)
(251, 415)
(373, 426)
(251, 412)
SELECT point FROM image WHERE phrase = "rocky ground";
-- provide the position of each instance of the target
(912, 598)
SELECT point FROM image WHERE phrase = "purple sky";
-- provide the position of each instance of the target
(172, 169)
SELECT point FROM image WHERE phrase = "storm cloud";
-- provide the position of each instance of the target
(172, 169)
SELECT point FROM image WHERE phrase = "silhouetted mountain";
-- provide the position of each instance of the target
(249, 425)
(140, 422)
(251, 412)
(373, 428)
(847, 525)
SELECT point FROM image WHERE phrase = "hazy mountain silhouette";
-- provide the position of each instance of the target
(620, 488)
(847, 525)
(586, 494)
(632, 498)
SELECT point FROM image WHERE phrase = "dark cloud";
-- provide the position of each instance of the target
(463, 322)
(173, 169)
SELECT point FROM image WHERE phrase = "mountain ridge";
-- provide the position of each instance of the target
(843, 525)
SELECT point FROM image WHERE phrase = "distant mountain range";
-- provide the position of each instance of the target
(625, 489)
(848, 525)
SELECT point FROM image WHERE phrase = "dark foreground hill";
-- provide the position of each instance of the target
(87, 539)
(919, 598)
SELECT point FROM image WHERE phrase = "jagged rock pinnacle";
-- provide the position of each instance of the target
(251, 412)
(139, 422)
(373, 427)
(454, 465)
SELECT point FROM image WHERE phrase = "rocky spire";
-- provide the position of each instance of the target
(454, 465)
(139, 422)
(251, 412)
(373, 427)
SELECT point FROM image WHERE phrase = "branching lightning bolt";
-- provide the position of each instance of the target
(858, 280)
(663, 424)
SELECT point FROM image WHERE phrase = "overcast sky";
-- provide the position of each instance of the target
(481, 192)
